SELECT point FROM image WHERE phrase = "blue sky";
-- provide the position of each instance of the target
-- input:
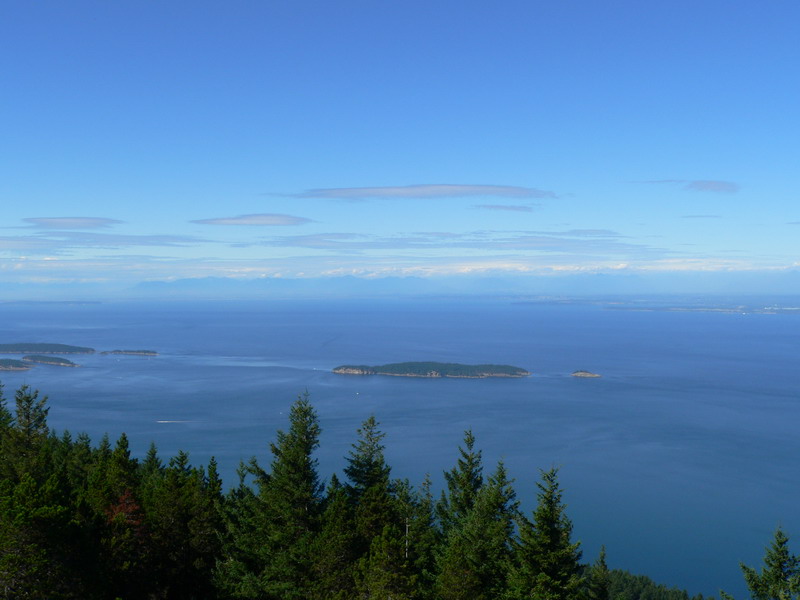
(148, 141)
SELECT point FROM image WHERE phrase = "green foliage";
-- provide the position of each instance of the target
(463, 481)
(626, 586)
(334, 549)
(272, 532)
(235, 573)
(6, 419)
(421, 536)
(25, 437)
(370, 490)
(779, 578)
(92, 522)
(34, 528)
(366, 466)
(385, 572)
(599, 579)
(476, 554)
(183, 524)
(547, 561)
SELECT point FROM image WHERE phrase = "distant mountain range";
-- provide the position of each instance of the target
(785, 282)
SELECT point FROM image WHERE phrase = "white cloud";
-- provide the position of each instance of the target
(259, 220)
(61, 242)
(437, 190)
(71, 222)
(104, 240)
(505, 207)
(588, 243)
(702, 185)
(725, 187)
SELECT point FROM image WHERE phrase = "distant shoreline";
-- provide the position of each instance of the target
(40, 348)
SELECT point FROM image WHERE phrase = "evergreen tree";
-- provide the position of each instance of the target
(385, 573)
(275, 557)
(421, 537)
(236, 574)
(24, 444)
(334, 548)
(6, 419)
(125, 546)
(183, 525)
(599, 583)
(214, 482)
(463, 483)
(77, 463)
(547, 561)
(474, 562)
(113, 491)
(626, 586)
(151, 465)
(779, 578)
(366, 466)
(370, 488)
(34, 530)
(31, 420)
(122, 469)
(114, 474)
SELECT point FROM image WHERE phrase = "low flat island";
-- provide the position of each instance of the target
(39, 348)
(10, 364)
(49, 360)
(433, 369)
(132, 352)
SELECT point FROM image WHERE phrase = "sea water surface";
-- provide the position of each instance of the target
(682, 459)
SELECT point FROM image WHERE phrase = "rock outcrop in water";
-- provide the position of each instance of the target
(585, 374)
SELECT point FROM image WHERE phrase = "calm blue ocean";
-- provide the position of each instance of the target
(682, 459)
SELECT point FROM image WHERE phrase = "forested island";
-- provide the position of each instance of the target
(433, 369)
(39, 348)
(83, 521)
(10, 364)
(49, 360)
(42, 353)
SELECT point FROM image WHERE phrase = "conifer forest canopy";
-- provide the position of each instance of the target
(89, 521)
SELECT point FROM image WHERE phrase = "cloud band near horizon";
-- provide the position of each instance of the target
(71, 222)
(702, 185)
(427, 191)
(257, 220)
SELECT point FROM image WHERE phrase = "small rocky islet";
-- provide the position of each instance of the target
(587, 374)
